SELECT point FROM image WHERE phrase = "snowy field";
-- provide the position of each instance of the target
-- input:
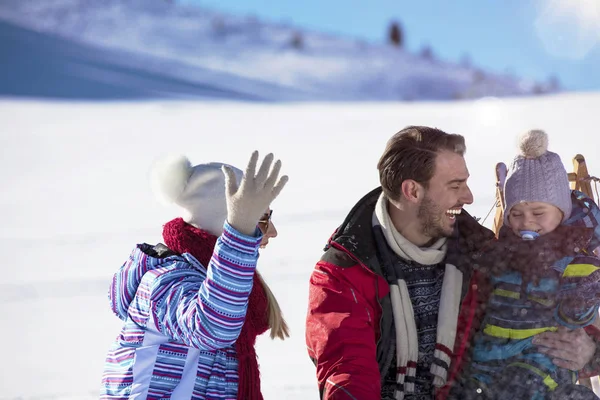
(76, 198)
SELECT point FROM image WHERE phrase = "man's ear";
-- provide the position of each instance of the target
(412, 190)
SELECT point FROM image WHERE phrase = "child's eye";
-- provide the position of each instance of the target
(537, 214)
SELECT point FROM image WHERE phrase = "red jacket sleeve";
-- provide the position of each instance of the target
(341, 328)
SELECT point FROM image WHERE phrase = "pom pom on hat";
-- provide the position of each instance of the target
(169, 176)
(533, 143)
(199, 190)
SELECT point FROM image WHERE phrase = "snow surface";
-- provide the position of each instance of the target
(76, 199)
(116, 49)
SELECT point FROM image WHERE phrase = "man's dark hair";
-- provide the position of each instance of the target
(411, 154)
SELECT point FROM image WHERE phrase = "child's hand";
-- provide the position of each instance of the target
(248, 202)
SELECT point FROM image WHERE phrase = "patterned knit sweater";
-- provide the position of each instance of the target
(424, 284)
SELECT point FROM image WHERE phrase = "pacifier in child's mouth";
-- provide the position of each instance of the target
(529, 235)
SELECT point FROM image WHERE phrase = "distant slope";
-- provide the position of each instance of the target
(42, 65)
(149, 48)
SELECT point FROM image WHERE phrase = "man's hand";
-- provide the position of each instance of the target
(571, 349)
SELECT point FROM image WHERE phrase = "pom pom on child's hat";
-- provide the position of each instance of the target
(533, 143)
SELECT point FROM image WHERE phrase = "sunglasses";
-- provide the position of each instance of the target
(266, 218)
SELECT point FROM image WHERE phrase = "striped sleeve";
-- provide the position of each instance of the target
(579, 292)
(126, 280)
(208, 313)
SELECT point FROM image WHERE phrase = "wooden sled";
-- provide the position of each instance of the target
(580, 180)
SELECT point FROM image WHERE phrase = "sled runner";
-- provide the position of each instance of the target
(501, 172)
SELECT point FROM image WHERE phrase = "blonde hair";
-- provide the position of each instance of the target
(277, 324)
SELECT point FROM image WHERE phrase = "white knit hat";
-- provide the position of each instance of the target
(199, 190)
(537, 174)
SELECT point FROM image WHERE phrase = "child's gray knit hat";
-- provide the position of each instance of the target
(537, 174)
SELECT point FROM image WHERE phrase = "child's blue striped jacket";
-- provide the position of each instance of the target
(181, 321)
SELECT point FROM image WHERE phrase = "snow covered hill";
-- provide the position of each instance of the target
(152, 49)
(41, 65)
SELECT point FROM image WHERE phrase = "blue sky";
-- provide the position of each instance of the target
(530, 38)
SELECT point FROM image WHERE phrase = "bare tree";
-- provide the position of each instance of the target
(427, 52)
(297, 41)
(396, 35)
(554, 84)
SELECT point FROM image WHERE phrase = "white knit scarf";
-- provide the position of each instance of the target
(407, 345)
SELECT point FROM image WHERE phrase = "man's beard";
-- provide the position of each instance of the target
(432, 219)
